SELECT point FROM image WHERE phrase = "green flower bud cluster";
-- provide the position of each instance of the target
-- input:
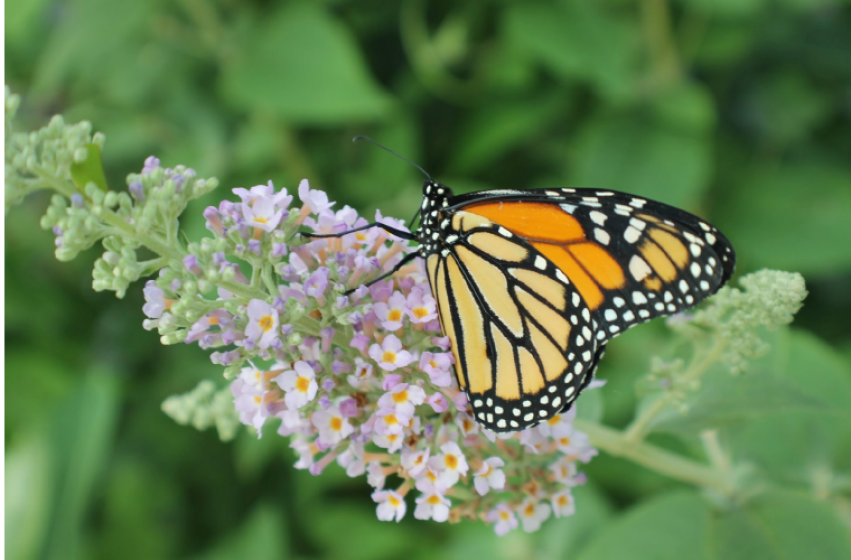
(768, 299)
(43, 159)
(205, 407)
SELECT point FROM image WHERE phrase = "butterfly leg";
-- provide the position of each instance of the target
(397, 232)
(408, 258)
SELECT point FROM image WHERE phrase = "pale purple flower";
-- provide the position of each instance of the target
(390, 314)
(532, 513)
(388, 421)
(390, 355)
(438, 367)
(420, 307)
(432, 506)
(562, 503)
(490, 476)
(415, 462)
(503, 519)
(438, 402)
(262, 325)
(352, 459)
(317, 201)
(262, 214)
(450, 464)
(375, 476)
(403, 398)
(281, 199)
(317, 283)
(151, 163)
(332, 425)
(299, 384)
(156, 302)
(389, 441)
(391, 506)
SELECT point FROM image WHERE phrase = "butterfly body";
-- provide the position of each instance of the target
(530, 285)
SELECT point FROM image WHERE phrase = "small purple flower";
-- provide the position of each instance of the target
(151, 163)
(157, 303)
(262, 323)
(317, 283)
(191, 264)
(317, 201)
(390, 355)
(390, 314)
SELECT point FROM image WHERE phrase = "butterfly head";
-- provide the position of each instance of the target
(435, 197)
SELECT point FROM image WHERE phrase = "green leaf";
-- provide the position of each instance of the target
(91, 170)
(775, 525)
(80, 438)
(671, 526)
(494, 129)
(636, 153)
(304, 67)
(781, 383)
(779, 525)
(589, 407)
(565, 537)
(578, 42)
(261, 537)
(28, 494)
(791, 216)
(802, 446)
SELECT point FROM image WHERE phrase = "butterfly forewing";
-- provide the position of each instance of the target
(520, 331)
(631, 259)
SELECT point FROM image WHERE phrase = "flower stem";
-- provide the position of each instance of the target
(655, 458)
(640, 427)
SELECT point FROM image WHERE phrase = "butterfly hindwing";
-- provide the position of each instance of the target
(521, 334)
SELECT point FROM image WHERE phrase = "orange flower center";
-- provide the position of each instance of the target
(452, 461)
(394, 315)
(302, 384)
(336, 424)
(389, 357)
(401, 396)
(266, 323)
(420, 312)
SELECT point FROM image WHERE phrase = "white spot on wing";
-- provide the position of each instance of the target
(639, 268)
(631, 234)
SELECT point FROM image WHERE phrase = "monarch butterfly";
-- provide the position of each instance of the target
(531, 285)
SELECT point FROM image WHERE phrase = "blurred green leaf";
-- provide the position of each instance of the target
(773, 386)
(672, 526)
(682, 525)
(637, 154)
(304, 67)
(791, 216)
(261, 537)
(495, 129)
(590, 408)
(564, 538)
(802, 446)
(90, 170)
(80, 434)
(576, 41)
(28, 494)
(779, 525)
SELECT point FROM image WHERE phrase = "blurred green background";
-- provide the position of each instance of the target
(738, 110)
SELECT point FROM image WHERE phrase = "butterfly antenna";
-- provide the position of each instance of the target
(383, 147)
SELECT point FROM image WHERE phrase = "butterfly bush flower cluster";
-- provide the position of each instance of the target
(350, 371)
(353, 374)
